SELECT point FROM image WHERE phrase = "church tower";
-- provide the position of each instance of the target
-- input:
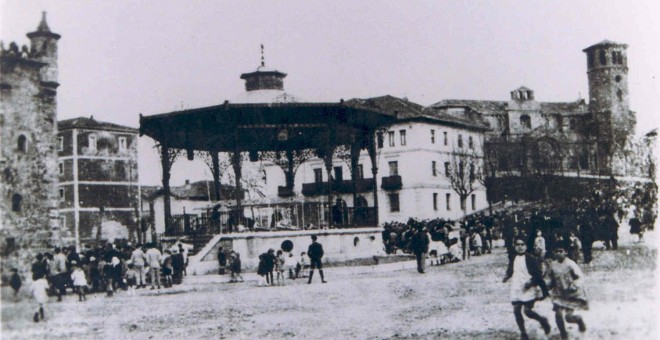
(613, 122)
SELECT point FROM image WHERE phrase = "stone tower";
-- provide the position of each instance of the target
(612, 120)
(28, 141)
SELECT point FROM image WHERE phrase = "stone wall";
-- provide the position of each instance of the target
(338, 245)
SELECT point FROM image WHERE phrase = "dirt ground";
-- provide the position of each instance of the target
(456, 301)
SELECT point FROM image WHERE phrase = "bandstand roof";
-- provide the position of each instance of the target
(262, 126)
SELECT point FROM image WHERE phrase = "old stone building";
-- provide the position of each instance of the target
(527, 135)
(98, 179)
(28, 118)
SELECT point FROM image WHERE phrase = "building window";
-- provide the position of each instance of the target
(360, 171)
(448, 199)
(91, 142)
(390, 137)
(590, 59)
(603, 58)
(394, 202)
(446, 169)
(432, 136)
(60, 143)
(445, 137)
(463, 204)
(560, 122)
(433, 169)
(394, 168)
(62, 194)
(572, 124)
(402, 135)
(60, 168)
(16, 203)
(474, 202)
(525, 122)
(22, 144)
(318, 175)
(472, 175)
(339, 174)
(122, 143)
(379, 139)
(460, 141)
(470, 142)
(435, 201)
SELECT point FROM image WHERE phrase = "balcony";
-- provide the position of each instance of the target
(315, 189)
(340, 187)
(391, 183)
(285, 192)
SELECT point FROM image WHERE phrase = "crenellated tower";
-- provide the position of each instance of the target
(28, 146)
(43, 48)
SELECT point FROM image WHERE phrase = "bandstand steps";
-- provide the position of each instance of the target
(199, 242)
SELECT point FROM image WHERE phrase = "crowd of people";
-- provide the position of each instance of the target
(106, 269)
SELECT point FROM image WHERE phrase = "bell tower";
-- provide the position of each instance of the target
(607, 71)
(612, 122)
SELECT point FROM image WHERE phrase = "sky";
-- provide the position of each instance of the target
(118, 58)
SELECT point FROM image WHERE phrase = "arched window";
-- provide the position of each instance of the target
(603, 58)
(22, 144)
(525, 122)
(16, 203)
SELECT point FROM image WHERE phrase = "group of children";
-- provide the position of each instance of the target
(102, 269)
(531, 280)
(274, 267)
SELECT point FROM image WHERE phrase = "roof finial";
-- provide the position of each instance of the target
(263, 61)
(43, 26)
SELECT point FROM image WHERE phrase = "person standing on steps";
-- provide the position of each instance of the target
(315, 253)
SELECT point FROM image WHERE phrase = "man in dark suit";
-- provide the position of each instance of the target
(419, 245)
(315, 253)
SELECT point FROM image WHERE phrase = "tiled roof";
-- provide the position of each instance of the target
(407, 110)
(401, 108)
(481, 106)
(92, 124)
(576, 107)
(500, 107)
(604, 43)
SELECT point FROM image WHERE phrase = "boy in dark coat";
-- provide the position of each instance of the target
(315, 253)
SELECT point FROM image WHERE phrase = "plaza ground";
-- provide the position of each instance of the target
(464, 300)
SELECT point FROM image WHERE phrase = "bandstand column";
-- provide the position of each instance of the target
(329, 151)
(236, 163)
(355, 158)
(371, 148)
(165, 164)
(216, 174)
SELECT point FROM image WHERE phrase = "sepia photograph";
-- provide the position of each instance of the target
(329, 169)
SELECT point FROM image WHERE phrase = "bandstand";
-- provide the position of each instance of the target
(269, 124)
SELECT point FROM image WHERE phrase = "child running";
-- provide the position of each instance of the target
(567, 292)
(79, 281)
(527, 286)
(40, 294)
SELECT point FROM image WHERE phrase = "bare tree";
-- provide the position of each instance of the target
(289, 161)
(465, 174)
